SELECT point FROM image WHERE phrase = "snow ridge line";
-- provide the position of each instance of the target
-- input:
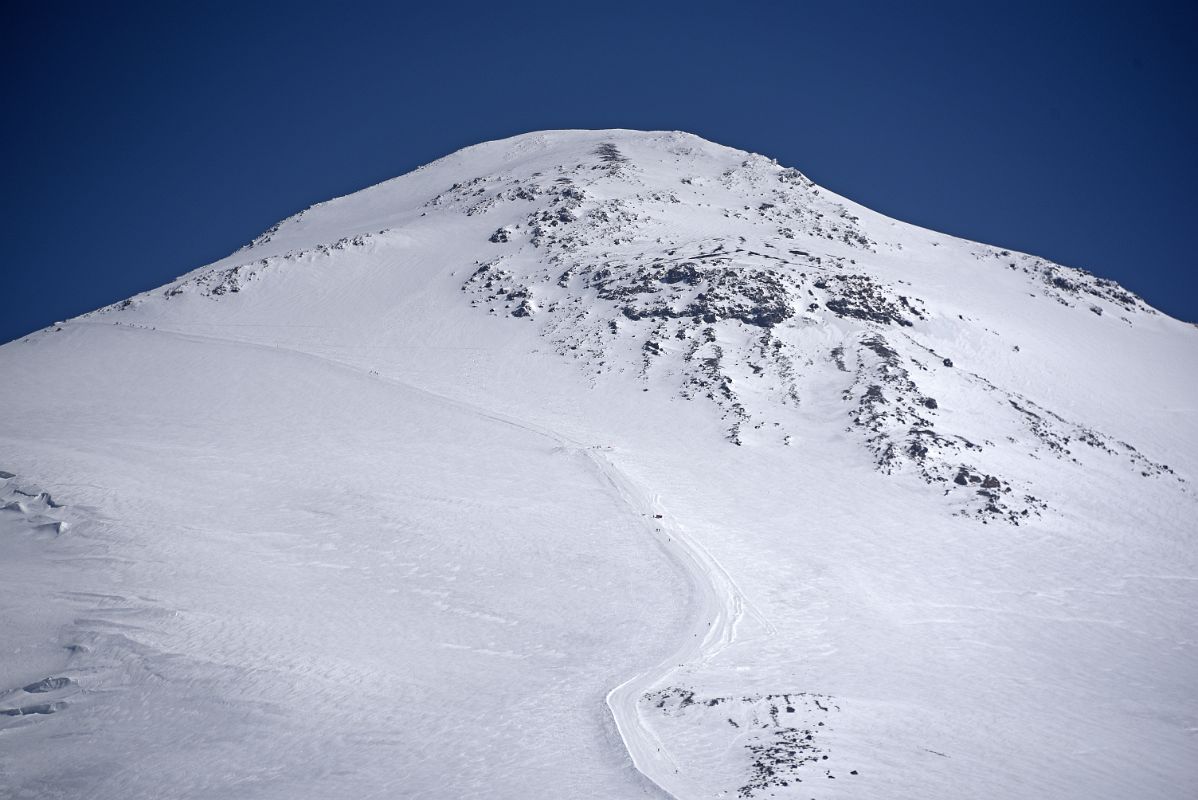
(722, 605)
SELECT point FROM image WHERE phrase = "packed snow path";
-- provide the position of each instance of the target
(721, 608)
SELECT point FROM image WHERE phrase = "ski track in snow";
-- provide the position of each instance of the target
(721, 605)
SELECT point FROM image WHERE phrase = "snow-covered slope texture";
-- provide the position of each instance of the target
(603, 464)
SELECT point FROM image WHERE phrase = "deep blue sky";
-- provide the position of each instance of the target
(146, 140)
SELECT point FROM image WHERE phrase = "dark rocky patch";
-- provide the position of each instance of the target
(782, 733)
(860, 297)
(47, 685)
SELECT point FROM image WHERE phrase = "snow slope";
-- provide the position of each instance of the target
(603, 464)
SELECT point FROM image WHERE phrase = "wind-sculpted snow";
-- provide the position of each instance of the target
(602, 464)
(27, 510)
(29, 518)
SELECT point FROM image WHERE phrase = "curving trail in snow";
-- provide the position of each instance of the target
(721, 606)
(721, 609)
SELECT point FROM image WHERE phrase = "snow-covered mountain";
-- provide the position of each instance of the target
(603, 464)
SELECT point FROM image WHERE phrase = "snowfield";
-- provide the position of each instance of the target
(603, 464)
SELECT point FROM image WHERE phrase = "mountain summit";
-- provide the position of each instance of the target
(603, 464)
